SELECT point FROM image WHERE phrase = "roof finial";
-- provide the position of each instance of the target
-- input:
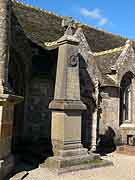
(69, 25)
(128, 42)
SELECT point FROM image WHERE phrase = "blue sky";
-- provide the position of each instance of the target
(116, 16)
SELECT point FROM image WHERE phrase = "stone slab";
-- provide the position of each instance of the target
(20, 175)
(126, 149)
(82, 166)
(59, 164)
(6, 166)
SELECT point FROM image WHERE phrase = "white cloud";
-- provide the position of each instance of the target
(95, 14)
(103, 21)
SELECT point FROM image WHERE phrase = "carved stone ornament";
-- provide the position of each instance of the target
(73, 60)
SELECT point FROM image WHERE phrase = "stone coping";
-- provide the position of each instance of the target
(127, 125)
(108, 51)
(67, 105)
(10, 99)
(63, 40)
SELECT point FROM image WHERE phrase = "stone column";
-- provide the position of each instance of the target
(7, 103)
(66, 111)
(94, 120)
(4, 42)
(133, 102)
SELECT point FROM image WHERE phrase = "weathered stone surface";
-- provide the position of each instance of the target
(4, 42)
(60, 165)
(110, 111)
(67, 105)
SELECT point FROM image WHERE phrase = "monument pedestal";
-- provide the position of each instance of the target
(69, 155)
(7, 103)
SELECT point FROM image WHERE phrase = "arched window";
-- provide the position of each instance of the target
(126, 103)
(125, 98)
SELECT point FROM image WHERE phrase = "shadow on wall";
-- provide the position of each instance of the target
(36, 145)
(86, 90)
(106, 143)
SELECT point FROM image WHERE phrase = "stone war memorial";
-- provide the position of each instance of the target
(67, 91)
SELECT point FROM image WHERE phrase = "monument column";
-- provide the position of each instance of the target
(66, 111)
(67, 106)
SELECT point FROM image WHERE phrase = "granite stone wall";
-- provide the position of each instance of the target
(38, 126)
(109, 115)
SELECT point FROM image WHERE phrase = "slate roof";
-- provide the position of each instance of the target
(105, 60)
(42, 26)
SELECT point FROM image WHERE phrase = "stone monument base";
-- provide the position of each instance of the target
(73, 160)
(6, 166)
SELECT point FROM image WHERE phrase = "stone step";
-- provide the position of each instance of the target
(19, 176)
(70, 165)
(73, 152)
(126, 149)
(92, 165)
(63, 162)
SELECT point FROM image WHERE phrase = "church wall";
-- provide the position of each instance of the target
(109, 116)
(40, 92)
(38, 127)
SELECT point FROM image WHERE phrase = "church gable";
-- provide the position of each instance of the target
(105, 60)
(126, 61)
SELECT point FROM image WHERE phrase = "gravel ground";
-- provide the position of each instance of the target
(123, 169)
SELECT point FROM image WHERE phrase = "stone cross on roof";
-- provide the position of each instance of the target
(69, 25)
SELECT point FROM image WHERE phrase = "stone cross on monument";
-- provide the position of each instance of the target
(68, 24)
(66, 109)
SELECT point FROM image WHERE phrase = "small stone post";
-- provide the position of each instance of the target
(94, 122)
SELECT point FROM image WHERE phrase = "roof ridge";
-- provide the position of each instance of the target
(60, 16)
(36, 8)
(109, 51)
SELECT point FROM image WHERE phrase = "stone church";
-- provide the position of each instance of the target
(63, 84)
